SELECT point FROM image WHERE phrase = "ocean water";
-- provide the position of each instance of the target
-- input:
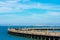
(5, 36)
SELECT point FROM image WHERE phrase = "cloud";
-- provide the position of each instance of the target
(17, 6)
(53, 13)
(50, 16)
(10, 8)
(43, 19)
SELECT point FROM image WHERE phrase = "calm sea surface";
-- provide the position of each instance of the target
(5, 36)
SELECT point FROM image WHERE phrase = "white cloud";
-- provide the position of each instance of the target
(53, 13)
(48, 17)
(14, 6)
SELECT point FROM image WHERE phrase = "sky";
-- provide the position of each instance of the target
(29, 12)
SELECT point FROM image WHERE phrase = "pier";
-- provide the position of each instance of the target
(42, 34)
(44, 28)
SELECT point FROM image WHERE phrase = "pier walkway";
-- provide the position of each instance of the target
(38, 33)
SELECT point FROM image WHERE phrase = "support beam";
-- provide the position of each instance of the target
(49, 38)
(41, 38)
(45, 38)
(53, 38)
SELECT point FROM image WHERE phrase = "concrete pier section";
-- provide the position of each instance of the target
(33, 33)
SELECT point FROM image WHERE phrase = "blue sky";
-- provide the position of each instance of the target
(29, 12)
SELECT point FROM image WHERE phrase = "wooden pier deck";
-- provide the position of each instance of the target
(36, 32)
